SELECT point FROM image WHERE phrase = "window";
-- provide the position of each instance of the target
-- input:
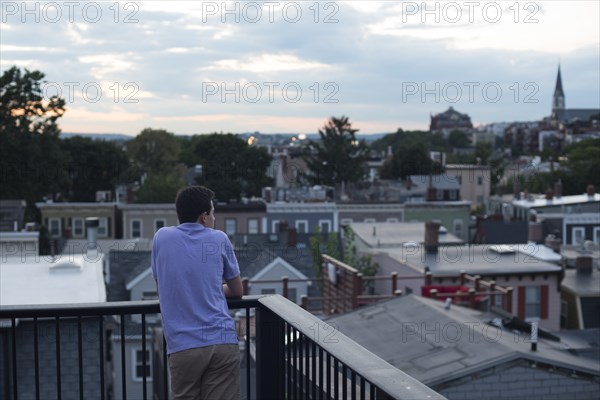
(391, 220)
(302, 226)
(480, 180)
(268, 291)
(597, 235)
(439, 194)
(136, 228)
(479, 199)
(149, 296)
(78, 230)
(159, 223)
(453, 194)
(138, 365)
(346, 221)
(578, 235)
(275, 226)
(54, 226)
(230, 226)
(252, 225)
(102, 227)
(369, 220)
(532, 302)
(325, 225)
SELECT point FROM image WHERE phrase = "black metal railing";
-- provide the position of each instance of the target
(297, 356)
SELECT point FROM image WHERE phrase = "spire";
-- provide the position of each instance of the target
(558, 100)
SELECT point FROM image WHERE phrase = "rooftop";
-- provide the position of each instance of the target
(32, 279)
(557, 201)
(473, 259)
(392, 234)
(436, 345)
(581, 283)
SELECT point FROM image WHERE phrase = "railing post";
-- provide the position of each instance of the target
(270, 359)
(428, 278)
(462, 278)
(508, 299)
(285, 280)
(304, 301)
(472, 298)
(394, 278)
(477, 279)
(492, 294)
(245, 282)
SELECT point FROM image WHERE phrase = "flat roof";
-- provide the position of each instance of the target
(582, 284)
(391, 234)
(473, 259)
(43, 280)
(557, 201)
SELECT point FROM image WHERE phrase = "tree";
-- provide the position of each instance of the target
(154, 150)
(92, 165)
(458, 139)
(160, 187)
(364, 264)
(230, 166)
(338, 157)
(318, 247)
(30, 156)
(411, 159)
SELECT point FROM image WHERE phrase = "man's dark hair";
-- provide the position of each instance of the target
(191, 201)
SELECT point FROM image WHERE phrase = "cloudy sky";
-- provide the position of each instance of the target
(199, 67)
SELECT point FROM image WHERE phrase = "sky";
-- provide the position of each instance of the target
(286, 67)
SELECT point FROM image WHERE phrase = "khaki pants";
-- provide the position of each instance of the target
(211, 372)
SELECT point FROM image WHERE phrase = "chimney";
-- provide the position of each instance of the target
(583, 265)
(431, 194)
(549, 195)
(535, 232)
(591, 191)
(432, 230)
(91, 225)
(534, 335)
(292, 237)
(558, 189)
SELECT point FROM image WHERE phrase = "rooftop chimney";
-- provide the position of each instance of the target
(549, 194)
(535, 232)
(91, 225)
(517, 189)
(432, 230)
(583, 265)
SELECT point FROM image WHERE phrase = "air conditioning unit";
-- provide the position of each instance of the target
(103, 196)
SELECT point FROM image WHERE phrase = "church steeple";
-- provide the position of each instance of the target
(558, 100)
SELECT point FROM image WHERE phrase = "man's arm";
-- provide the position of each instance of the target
(234, 288)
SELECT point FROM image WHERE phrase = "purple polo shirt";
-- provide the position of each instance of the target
(190, 262)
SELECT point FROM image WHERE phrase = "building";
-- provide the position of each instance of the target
(474, 181)
(12, 213)
(531, 270)
(580, 295)
(305, 217)
(33, 280)
(143, 220)
(241, 218)
(455, 216)
(468, 354)
(450, 120)
(67, 220)
(563, 115)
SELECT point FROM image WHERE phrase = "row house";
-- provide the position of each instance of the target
(474, 182)
(67, 220)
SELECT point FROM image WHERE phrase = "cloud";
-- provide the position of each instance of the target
(266, 63)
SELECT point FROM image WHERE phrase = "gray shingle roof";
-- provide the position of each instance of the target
(123, 265)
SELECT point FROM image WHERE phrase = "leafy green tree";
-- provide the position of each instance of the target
(411, 159)
(458, 139)
(160, 187)
(433, 141)
(92, 165)
(30, 155)
(319, 246)
(338, 157)
(364, 264)
(230, 167)
(154, 150)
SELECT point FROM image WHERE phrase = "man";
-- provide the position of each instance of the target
(190, 263)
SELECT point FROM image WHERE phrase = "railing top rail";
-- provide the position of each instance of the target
(97, 309)
(391, 380)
